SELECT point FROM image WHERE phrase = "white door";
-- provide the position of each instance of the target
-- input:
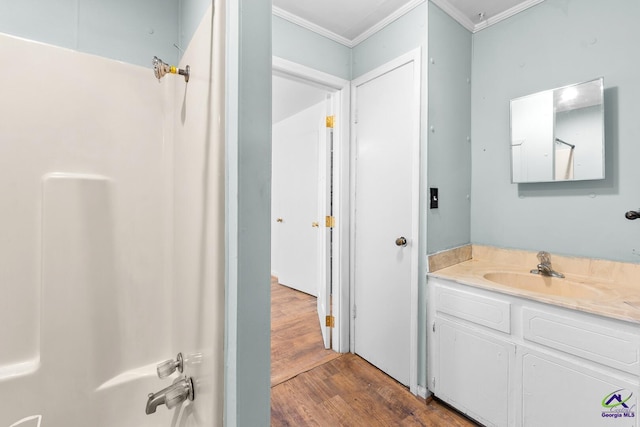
(325, 173)
(295, 159)
(386, 126)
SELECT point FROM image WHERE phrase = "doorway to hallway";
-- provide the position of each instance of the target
(309, 214)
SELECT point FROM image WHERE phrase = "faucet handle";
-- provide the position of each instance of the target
(168, 367)
(175, 396)
(544, 257)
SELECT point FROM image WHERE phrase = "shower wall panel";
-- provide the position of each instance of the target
(199, 237)
(85, 270)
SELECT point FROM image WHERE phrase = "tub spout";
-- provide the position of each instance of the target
(155, 399)
(172, 396)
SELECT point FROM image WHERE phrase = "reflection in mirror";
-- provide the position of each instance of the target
(558, 135)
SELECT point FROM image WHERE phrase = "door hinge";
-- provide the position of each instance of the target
(330, 221)
(433, 382)
(330, 321)
(330, 121)
(433, 327)
(354, 311)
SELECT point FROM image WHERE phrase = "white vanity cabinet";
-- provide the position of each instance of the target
(473, 372)
(510, 361)
(559, 392)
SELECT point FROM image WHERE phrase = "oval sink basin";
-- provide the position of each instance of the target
(544, 285)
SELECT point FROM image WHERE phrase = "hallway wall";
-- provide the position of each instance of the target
(305, 47)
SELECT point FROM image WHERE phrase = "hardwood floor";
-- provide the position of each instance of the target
(296, 341)
(311, 386)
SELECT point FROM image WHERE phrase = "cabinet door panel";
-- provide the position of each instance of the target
(473, 372)
(557, 393)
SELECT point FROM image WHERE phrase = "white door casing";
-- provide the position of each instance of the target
(339, 104)
(386, 165)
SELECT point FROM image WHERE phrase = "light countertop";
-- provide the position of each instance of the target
(605, 288)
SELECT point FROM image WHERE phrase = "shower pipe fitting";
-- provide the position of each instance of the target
(160, 68)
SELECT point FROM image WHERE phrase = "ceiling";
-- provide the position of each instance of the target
(351, 21)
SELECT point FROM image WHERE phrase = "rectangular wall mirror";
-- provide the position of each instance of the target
(558, 134)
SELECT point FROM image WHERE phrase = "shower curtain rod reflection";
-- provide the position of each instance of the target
(565, 143)
(160, 68)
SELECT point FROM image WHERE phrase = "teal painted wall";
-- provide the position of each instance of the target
(129, 31)
(553, 44)
(449, 110)
(449, 151)
(248, 147)
(299, 45)
(405, 34)
(190, 16)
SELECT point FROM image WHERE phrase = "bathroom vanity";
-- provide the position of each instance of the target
(543, 352)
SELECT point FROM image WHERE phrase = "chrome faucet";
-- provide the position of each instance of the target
(544, 266)
(172, 396)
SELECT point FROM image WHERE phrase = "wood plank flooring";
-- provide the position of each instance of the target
(296, 340)
(318, 387)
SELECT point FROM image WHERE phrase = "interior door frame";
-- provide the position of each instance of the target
(414, 57)
(340, 90)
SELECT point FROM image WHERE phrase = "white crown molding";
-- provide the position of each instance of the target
(295, 19)
(463, 20)
(445, 5)
(386, 21)
(506, 14)
(455, 13)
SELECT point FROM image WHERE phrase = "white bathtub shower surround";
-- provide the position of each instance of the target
(85, 269)
(32, 421)
(198, 298)
(112, 256)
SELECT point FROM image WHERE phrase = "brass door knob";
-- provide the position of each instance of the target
(401, 241)
(315, 224)
(279, 220)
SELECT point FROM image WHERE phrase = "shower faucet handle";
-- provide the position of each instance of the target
(168, 367)
(182, 390)
(172, 396)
